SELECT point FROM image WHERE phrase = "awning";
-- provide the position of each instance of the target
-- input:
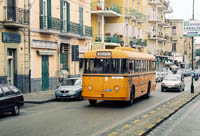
(46, 52)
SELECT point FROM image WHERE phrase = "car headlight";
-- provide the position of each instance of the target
(89, 88)
(116, 88)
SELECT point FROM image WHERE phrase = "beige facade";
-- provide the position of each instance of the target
(60, 34)
(14, 43)
(155, 28)
(180, 47)
(116, 23)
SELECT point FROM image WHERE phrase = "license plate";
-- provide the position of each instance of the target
(108, 90)
(64, 94)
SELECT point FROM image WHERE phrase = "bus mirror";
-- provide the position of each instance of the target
(122, 43)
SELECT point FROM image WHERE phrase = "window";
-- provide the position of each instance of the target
(174, 47)
(132, 66)
(153, 66)
(148, 66)
(7, 91)
(1, 92)
(108, 66)
(174, 30)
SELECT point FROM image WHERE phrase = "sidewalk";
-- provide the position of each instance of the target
(39, 97)
(185, 122)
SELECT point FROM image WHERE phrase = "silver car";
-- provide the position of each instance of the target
(173, 82)
(69, 89)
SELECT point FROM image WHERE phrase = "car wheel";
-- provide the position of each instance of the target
(162, 90)
(16, 110)
(93, 102)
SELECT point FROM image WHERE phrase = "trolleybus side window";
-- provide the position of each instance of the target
(153, 65)
(131, 66)
(124, 66)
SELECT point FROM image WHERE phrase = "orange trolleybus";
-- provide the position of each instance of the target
(120, 74)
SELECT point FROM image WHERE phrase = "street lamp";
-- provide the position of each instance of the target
(192, 83)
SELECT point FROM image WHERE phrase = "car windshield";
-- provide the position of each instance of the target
(71, 82)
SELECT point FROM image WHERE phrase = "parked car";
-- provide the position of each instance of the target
(163, 74)
(173, 82)
(187, 72)
(69, 89)
(11, 99)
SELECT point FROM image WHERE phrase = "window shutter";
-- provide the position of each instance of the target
(41, 14)
(68, 17)
(49, 13)
(61, 13)
(81, 20)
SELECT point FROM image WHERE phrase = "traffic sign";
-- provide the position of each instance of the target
(192, 28)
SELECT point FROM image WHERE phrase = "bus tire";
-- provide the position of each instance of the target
(148, 91)
(93, 102)
(132, 96)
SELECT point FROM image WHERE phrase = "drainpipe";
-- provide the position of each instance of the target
(29, 42)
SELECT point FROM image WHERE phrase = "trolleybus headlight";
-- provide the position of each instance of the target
(89, 88)
(116, 88)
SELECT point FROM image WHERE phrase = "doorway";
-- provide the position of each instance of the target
(11, 65)
(45, 72)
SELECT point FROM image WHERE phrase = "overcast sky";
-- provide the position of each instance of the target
(182, 9)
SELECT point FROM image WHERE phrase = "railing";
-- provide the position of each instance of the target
(108, 39)
(47, 22)
(107, 6)
(130, 12)
(154, 17)
(56, 24)
(88, 31)
(16, 15)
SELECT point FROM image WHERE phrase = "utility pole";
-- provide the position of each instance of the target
(192, 83)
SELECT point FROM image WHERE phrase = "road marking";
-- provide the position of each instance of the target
(152, 112)
(140, 132)
(159, 120)
(151, 126)
(136, 121)
(114, 134)
(126, 127)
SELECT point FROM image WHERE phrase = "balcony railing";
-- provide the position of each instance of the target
(131, 13)
(95, 6)
(60, 26)
(16, 15)
(50, 23)
(108, 39)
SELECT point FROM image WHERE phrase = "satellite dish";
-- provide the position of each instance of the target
(62, 75)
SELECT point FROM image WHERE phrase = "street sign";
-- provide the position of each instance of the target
(192, 28)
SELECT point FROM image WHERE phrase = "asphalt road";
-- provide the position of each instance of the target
(78, 118)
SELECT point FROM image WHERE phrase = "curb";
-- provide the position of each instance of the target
(40, 102)
(129, 127)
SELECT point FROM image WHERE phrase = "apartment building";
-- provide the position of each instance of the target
(117, 23)
(180, 47)
(60, 34)
(156, 29)
(14, 43)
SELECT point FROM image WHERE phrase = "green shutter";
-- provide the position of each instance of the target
(68, 17)
(81, 20)
(49, 13)
(41, 14)
(61, 13)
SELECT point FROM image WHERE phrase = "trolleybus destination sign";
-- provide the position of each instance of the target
(192, 28)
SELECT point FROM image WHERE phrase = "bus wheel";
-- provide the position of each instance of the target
(148, 91)
(93, 102)
(130, 102)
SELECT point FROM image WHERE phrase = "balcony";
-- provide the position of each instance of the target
(131, 13)
(155, 19)
(155, 2)
(16, 17)
(140, 17)
(168, 10)
(139, 42)
(107, 9)
(51, 25)
(164, 6)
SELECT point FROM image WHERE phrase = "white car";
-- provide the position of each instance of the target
(173, 82)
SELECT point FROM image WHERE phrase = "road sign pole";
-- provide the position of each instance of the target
(192, 82)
